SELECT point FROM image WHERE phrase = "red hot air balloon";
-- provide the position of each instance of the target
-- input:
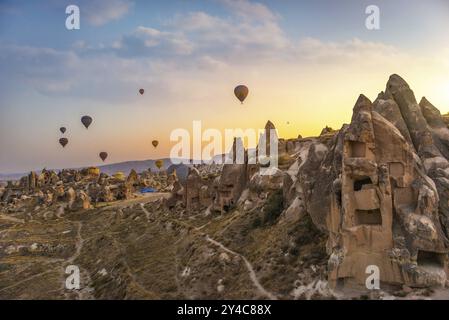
(241, 92)
(63, 130)
(103, 155)
(86, 121)
(141, 91)
(63, 142)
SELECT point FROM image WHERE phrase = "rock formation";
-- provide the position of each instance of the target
(381, 191)
(80, 189)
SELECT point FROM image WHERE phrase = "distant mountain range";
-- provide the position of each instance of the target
(109, 169)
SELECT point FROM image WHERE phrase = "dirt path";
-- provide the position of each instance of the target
(83, 293)
(252, 273)
(147, 213)
(78, 243)
(12, 219)
(140, 200)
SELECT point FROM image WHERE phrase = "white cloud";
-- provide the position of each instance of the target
(250, 10)
(354, 51)
(45, 69)
(146, 41)
(209, 30)
(240, 34)
(100, 12)
(249, 41)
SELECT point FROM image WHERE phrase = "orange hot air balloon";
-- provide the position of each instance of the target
(86, 121)
(155, 143)
(241, 92)
(141, 91)
(63, 142)
(103, 155)
(63, 130)
(159, 164)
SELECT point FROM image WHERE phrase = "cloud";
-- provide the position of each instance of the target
(250, 30)
(209, 31)
(99, 76)
(354, 51)
(100, 12)
(145, 41)
(45, 69)
(250, 10)
(247, 41)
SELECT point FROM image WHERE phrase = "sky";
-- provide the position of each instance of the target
(305, 63)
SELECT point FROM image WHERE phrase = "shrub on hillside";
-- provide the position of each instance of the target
(273, 207)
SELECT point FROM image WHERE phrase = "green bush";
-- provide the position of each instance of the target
(257, 222)
(273, 207)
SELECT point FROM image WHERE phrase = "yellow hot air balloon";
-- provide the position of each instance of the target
(159, 164)
(241, 92)
(155, 143)
(119, 175)
(93, 171)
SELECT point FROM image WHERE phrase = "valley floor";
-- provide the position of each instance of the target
(138, 250)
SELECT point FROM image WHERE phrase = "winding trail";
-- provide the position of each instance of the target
(78, 243)
(147, 213)
(82, 293)
(139, 200)
(252, 273)
(12, 219)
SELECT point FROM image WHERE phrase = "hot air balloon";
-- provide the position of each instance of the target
(93, 171)
(103, 155)
(159, 164)
(119, 175)
(155, 143)
(141, 91)
(63, 130)
(86, 120)
(63, 142)
(241, 92)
